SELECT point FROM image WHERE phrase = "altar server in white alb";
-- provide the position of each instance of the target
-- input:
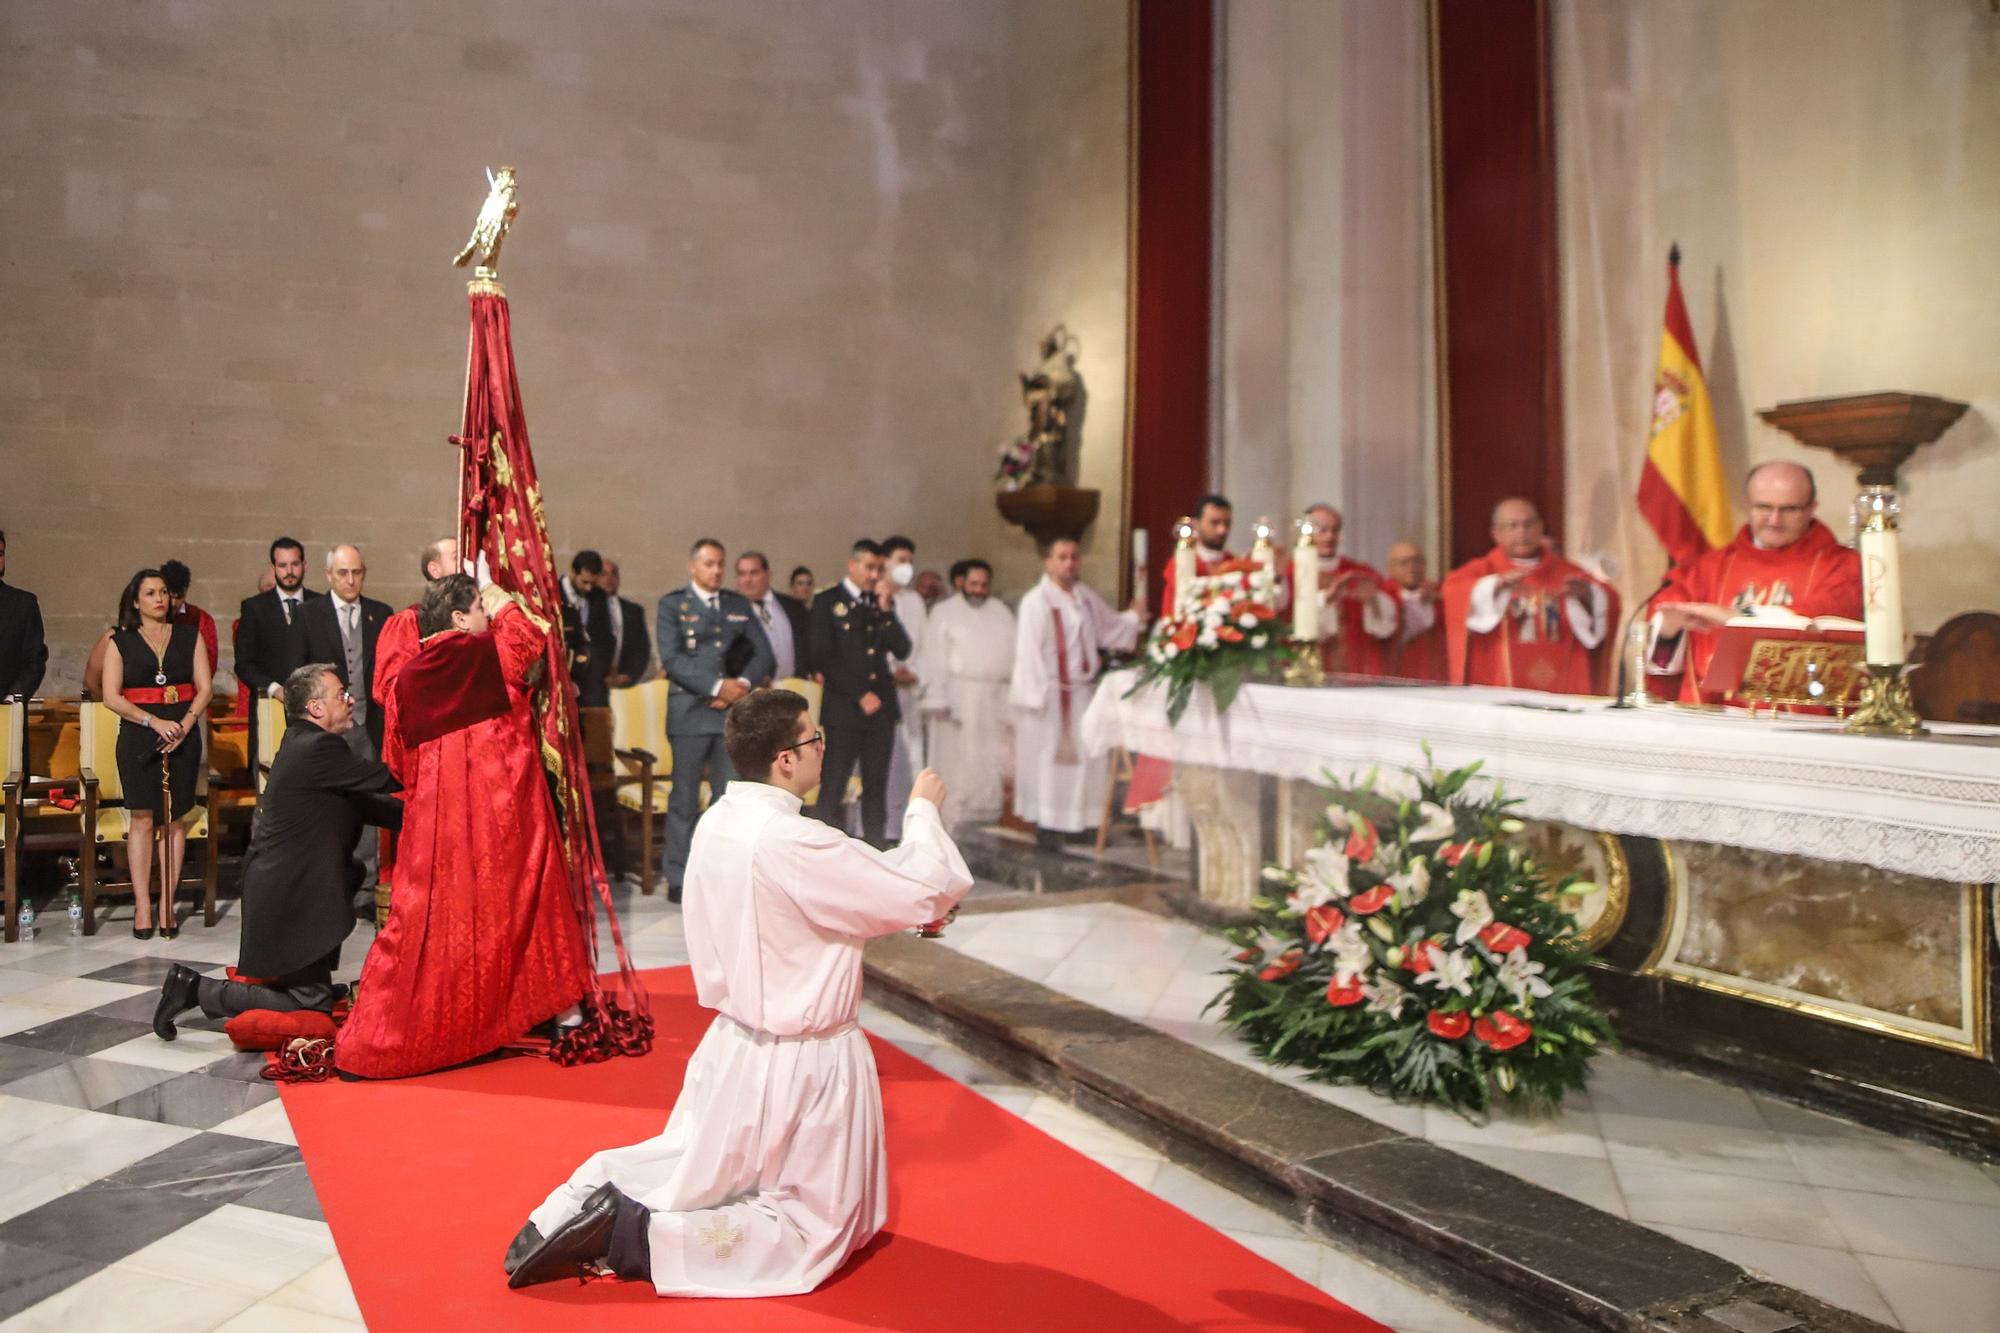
(969, 644)
(770, 1172)
(1065, 630)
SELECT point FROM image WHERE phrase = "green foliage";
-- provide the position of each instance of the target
(1347, 973)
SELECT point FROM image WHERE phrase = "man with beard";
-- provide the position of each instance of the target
(970, 646)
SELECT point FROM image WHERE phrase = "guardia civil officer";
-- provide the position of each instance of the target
(700, 626)
(855, 630)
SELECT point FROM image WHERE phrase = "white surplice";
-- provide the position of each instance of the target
(770, 1172)
(970, 653)
(1056, 784)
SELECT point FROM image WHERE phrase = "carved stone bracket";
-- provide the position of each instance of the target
(1874, 432)
(1049, 513)
(1223, 805)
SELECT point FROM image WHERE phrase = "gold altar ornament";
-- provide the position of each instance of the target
(1885, 708)
(489, 231)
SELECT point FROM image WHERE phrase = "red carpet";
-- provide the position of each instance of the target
(992, 1223)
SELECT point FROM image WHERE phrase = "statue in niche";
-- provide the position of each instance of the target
(1054, 395)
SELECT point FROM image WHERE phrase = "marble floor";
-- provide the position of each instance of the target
(1899, 1232)
(156, 1186)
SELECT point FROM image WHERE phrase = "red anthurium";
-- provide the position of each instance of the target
(1501, 1030)
(1419, 960)
(1362, 840)
(1249, 955)
(1286, 964)
(1454, 852)
(1322, 921)
(1503, 938)
(1185, 638)
(1449, 1026)
(1263, 612)
(1361, 904)
(1340, 996)
(1229, 634)
(1237, 565)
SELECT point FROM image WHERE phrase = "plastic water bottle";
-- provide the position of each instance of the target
(27, 921)
(75, 914)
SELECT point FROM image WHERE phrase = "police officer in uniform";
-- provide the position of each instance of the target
(855, 631)
(700, 626)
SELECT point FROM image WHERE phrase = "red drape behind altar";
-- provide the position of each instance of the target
(502, 521)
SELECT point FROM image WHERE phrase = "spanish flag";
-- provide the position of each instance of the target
(1682, 492)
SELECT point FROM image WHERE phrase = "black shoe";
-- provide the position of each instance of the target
(673, 893)
(575, 1247)
(524, 1245)
(177, 996)
(139, 934)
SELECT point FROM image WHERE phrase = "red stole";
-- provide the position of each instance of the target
(1814, 576)
(1533, 647)
(454, 681)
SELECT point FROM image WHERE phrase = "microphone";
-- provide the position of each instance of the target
(1625, 658)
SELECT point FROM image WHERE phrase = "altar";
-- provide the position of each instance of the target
(1809, 910)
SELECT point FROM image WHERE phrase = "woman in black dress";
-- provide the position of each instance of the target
(156, 678)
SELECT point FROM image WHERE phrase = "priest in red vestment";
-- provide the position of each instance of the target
(1784, 556)
(398, 640)
(1419, 652)
(1522, 615)
(1363, 614)
(1212, 515)
(483, 942)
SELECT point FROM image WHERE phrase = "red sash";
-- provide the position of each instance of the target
(158, 694)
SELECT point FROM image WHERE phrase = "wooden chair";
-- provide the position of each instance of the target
(105, 819)
(643, 763)
(1119, 770)
(815, 694)
(269, 731)
(41, 796)
(1960, 680)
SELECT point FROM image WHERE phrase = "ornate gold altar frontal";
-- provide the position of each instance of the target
(1802, 673)
(1886, 952)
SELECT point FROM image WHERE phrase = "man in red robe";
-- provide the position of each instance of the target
(1419, 653)
(1784, 556)
(1523, 616)
(1361, 615)
(482, 942)
(1212, 516)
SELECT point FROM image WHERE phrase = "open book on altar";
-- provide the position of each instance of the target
(1776, 657)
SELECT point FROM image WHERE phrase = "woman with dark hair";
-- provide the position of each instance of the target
(801, 584)
(156, 679)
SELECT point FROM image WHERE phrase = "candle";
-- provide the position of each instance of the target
(1305, 587)
(1139, 563)
(1264, 575)
(1882, 594)
(1183, 565)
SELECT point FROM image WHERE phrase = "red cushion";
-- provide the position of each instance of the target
(269, 1029)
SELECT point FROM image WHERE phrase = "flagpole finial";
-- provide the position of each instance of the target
(1674, 255)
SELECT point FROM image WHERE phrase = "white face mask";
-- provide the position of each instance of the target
(900, 575)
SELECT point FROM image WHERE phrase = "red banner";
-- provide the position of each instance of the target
(501, 522)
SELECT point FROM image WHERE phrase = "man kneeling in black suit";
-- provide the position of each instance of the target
(300, 874)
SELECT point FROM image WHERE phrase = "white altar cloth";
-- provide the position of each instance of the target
(1796, 786)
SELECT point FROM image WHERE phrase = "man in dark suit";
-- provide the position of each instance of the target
(855, 631)
(587, 630)
(700, 626)
(342, 628)
(632, 652)
(786, 622)
(299, 874)
(271, 629)
(24, 652)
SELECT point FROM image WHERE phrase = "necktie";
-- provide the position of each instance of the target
(764, 610)
(287, 603)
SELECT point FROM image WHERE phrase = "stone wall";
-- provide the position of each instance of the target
(771, 280)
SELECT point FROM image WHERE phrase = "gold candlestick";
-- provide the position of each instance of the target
(1304, 666)
(1885, 708)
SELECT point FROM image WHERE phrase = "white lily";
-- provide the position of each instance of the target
(1351, 955)
(1328, 866)
(1414, 884)
(1451, 970)
(1337, 818)
(1474, 914)
(1385, 996)
(1434, 822)
(1521, 978)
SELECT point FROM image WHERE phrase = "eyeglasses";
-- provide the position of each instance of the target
(817, 738)
(1786, 511)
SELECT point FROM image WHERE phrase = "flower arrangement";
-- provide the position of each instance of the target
(1221, 629)
(1418, 954)
(1017, 463)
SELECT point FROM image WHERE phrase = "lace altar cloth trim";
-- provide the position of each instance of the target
(1798, 787)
